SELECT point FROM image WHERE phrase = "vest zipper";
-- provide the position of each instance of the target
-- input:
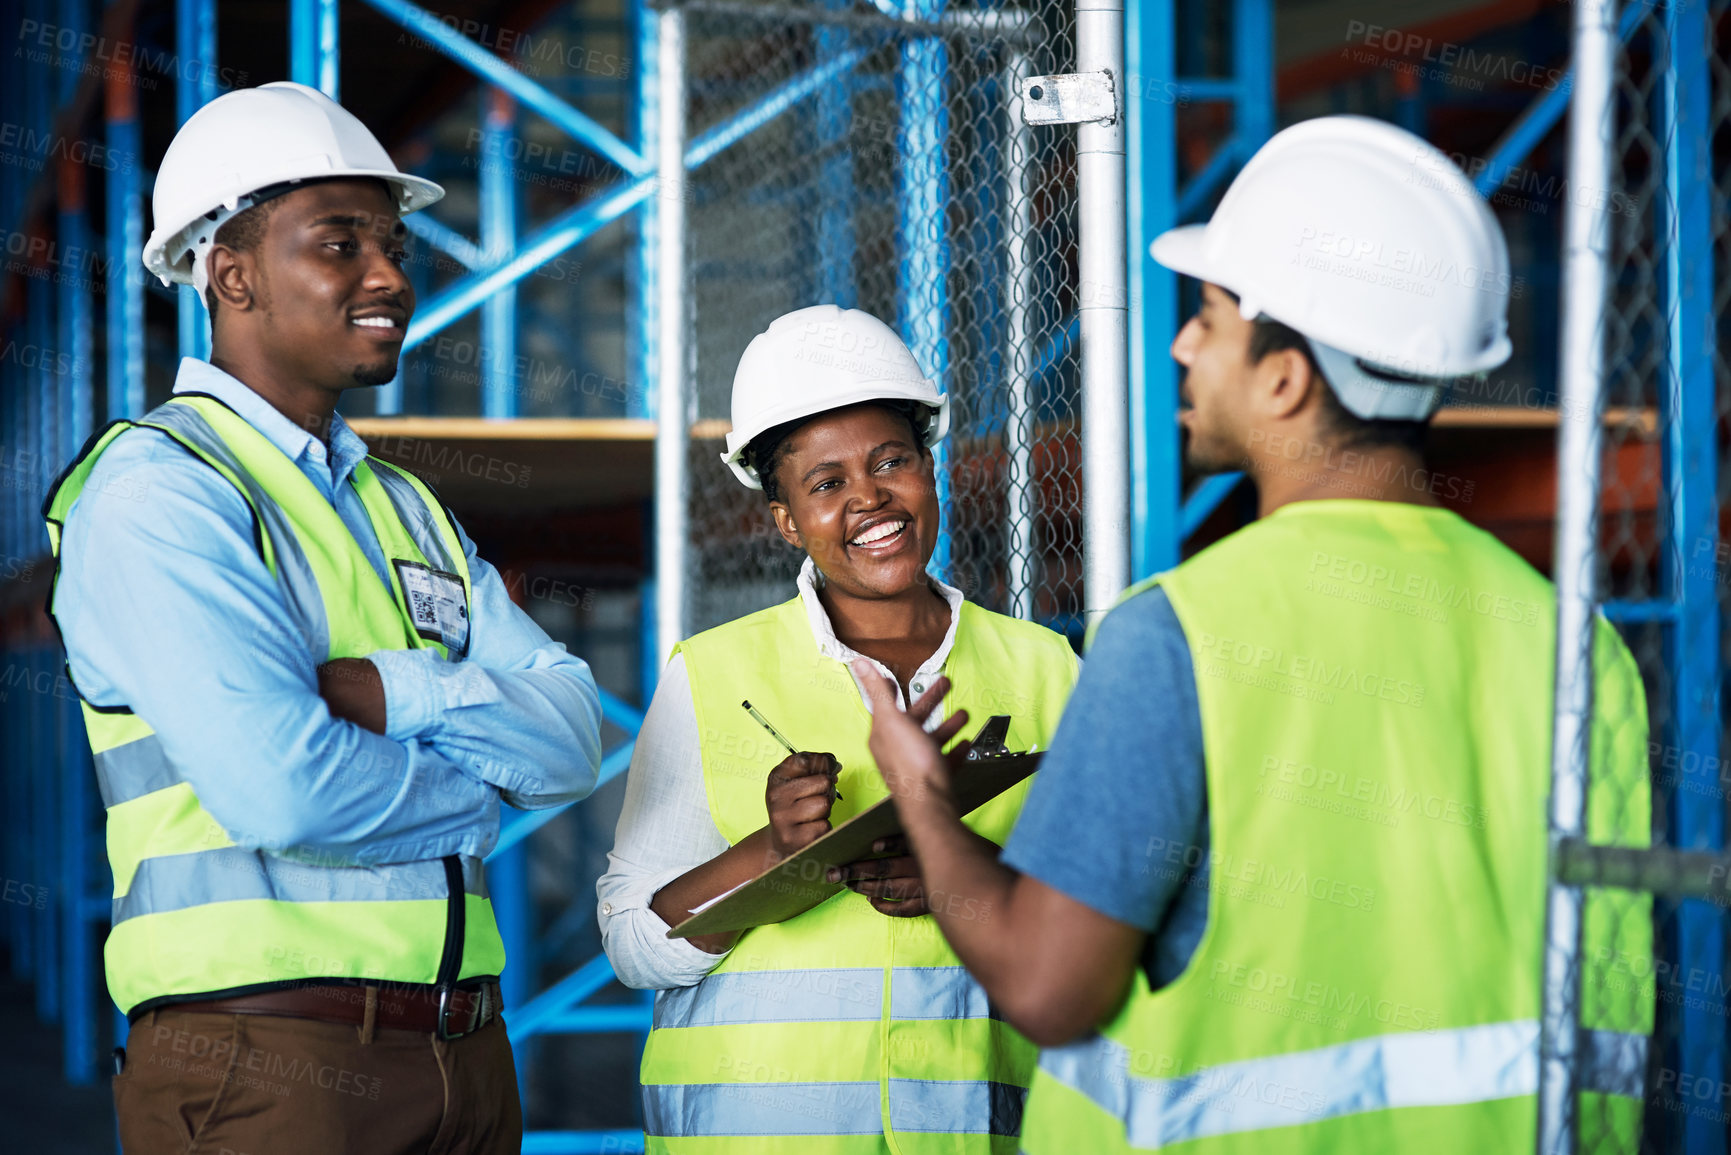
(451, 960)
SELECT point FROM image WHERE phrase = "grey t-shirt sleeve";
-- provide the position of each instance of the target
(1117, 816)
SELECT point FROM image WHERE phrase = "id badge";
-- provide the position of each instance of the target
(437, 608)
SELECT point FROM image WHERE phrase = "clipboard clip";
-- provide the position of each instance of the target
(989, 742)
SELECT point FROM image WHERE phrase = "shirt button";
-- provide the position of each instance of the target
(919, 687)
(606, 908)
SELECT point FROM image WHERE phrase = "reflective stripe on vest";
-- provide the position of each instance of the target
(830, 995)
(1385, 1072)
(842, 1022)
(235, 874)
(193, 912)
(715, 1110)
(133, 770)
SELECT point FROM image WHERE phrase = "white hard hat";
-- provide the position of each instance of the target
(820, 358)
(248, 141)
(1374, 245)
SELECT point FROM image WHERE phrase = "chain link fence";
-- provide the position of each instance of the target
(907, 186)
(1659, 562)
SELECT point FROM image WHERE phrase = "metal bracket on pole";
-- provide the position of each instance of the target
(1070, 98)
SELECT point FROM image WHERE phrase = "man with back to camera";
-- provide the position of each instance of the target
(305, 692)
(1287, 852)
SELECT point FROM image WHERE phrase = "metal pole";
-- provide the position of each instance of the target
(1104, 317)
(498, 240)
(1586, 255)
(1019, 344)
(922, 239)
(672, 416)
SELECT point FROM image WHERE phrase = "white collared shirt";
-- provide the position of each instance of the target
(666, 829)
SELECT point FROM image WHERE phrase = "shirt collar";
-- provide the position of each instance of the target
(346, 449)
(832, 647)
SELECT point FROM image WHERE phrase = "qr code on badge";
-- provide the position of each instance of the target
(422, 605)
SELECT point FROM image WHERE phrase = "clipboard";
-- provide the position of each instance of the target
(799, 882)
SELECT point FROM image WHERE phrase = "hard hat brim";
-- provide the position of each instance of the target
(413, 193)
(739, 439)
(1183, 251)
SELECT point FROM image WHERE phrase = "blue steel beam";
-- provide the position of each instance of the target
(534, 1015)
(600, 1020)
(580, 222)
(642, 322)
(498, 242)
(1691, 467)
(620, 712)
(75, 395)
(74, 385)
(125, 241)
(922, 240)
(501, 75)
(1151, 164)
(705, 145)
(85, 993)
(1204, 500)
(1228, 155)
(565, 230)
(1636, 613)
(527, 822)
(446, 239)
(1210, 88)
(313, 49)
(1253, 63)
(194, 87)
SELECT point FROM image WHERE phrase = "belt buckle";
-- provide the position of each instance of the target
(477, 1013)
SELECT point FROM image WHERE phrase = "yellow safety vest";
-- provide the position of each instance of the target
(194, 914)
(842, 1031)
(1375, 684)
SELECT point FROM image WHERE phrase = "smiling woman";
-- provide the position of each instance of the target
(872, 1020)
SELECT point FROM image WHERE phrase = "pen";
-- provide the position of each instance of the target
(776, 734)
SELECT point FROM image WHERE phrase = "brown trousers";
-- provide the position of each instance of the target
(209, 1084)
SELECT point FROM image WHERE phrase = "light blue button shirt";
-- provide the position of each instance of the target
(162, 595)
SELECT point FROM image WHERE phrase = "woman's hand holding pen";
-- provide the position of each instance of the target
(799, 794)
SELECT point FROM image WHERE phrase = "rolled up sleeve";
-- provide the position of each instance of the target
(665, 829)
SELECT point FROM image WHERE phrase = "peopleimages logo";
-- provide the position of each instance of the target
(1368, 258)
(58, 46)
(1459, 58)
